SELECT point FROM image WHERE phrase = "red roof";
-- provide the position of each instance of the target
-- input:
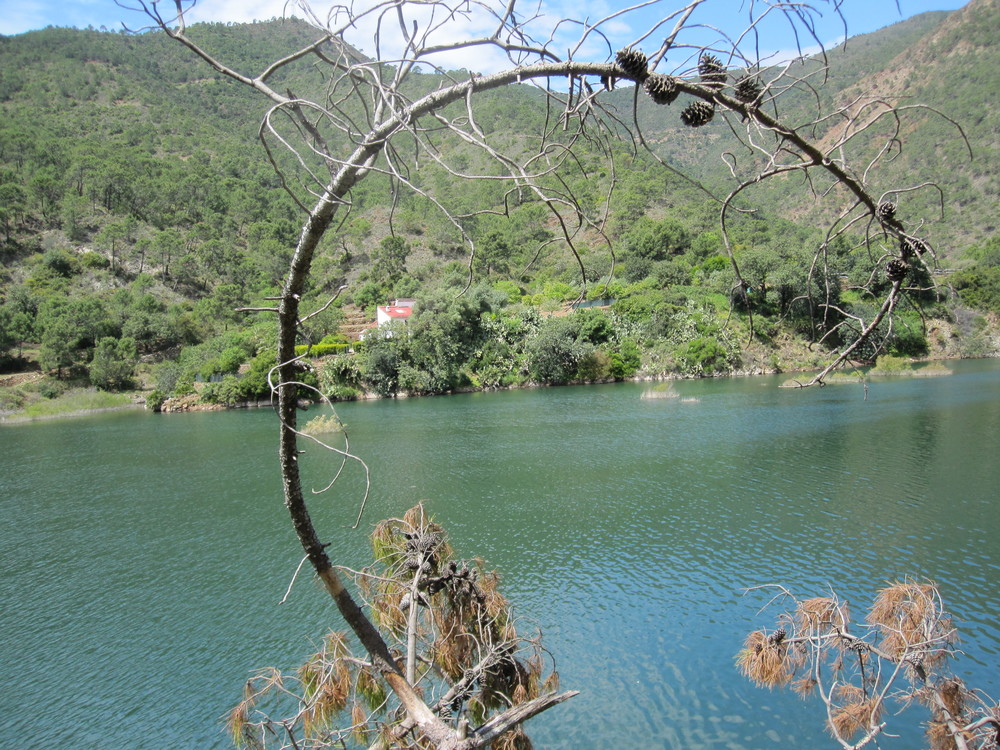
(397, 312)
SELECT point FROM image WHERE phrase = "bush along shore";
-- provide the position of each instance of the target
(464, 345)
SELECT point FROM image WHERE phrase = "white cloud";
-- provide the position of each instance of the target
(237, 11)
(432, 25)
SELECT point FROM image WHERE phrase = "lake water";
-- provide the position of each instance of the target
(143, 556)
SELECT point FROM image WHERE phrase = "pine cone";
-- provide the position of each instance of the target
(778, 636)
(914, 658)
(908, 247)
(748, 89)
(886, 211)
(713, 72)
(633, 62)
(661, 89)
(697, 114)
(895, 269)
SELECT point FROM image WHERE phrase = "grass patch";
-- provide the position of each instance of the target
(12, 399)
(662, 390)
(840, 377)
(323, 424)
(83, 400)
(932, 370)
(889, 366)
(898, 367)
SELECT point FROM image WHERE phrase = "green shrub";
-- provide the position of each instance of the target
(335, 338)
(51, 389)
(12, 399)
(61, 262)
(715, 263)
(626, 361)
(645, 306)
(323, 424)
(254, 383)
(154, 401)
(114, 363)
(227, 391)
(230, 359)
(235, 390)
(166, 375)
(321, 349)
(558, 291)
(908, 336)
(94, 261)
(414, 380)
(594, 365)
(184, 386)
(977, 344)
(340, 371)
(890, 365)
(978, 287)
(210, 394)
(554, 353)
(594, 326)
(510, 289)
(343, 393)
(702, 356)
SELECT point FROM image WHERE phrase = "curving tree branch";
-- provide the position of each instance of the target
(371, 118)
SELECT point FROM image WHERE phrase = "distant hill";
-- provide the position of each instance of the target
(137, 204)
(946, 61)
(74, 98)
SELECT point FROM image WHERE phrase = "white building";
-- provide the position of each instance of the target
(400, 309)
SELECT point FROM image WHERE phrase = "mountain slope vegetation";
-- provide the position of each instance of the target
(939, 63)
(138, 217)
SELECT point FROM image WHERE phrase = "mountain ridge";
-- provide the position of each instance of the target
(138, 204)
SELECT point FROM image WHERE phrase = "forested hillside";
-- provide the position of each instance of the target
(939, 63)
(139, 212)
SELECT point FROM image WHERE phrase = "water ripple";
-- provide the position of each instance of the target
(144, 557)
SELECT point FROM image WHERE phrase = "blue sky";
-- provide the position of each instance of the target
(862, 16)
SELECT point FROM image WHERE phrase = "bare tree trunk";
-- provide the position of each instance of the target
(387, 114)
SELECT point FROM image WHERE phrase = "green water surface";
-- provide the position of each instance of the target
(143, 556)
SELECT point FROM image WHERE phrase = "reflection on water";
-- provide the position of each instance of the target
(143, 556)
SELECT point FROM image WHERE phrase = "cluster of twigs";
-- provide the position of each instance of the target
(900, 654)
(451, 632)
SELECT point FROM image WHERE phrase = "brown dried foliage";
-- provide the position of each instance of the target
(805, 686)
(514, 740)
(359, 720)
(939, 737)
(763, 661)
(821, 615)
(329, 699)
(245, 732)
(953, 695)
(909, 617)
(908, 628)
(551, 683)
(466, 621)
(386, 607)
(856, 712)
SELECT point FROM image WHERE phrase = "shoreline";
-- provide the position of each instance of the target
(15, 418)
(18, 418)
